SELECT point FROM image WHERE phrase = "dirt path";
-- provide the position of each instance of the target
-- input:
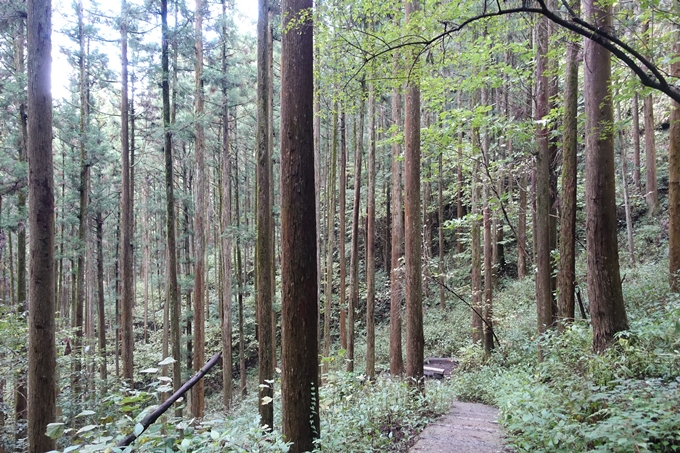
(467, 428)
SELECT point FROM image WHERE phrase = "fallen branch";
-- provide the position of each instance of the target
(152, 417)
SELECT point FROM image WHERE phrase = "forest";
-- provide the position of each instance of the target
(225, 233)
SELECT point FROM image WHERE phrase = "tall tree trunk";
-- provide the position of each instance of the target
(636, 143)
(370, 242)
(20, 406)
(343, 232)
(329, 249)
(475, 239)
(440, 216)
(225, 227)
(488, 274)
(127, 278)
(674, 178)
(413, 223)
(201, 188)
(299, 386)
(354, 253)
(264, 219)
(544, 302)
(42, 353)
(626, 200)
(522, 227)
(240, 274)
(567, 272)
(103, 375)
(604, 282)
(171, 282)
(651, 190)
(396, 276)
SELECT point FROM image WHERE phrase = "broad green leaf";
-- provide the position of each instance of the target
(87, 428)
(54, 430)
(167, 361)
(85, 413)
(139, 429)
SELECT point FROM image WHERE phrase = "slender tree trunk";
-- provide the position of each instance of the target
(127, 299)
(651, 192)
(636, 143)
(475, 246)
(567, 272)
(626, 201)
(42, 351)
(488, 274)
(343, 232)
(197, 392)
(396, 275)
(604, 282)
(238, 258)
(103, 375)
(440, 216)
(674, 178)
(299, 386)
(329, 252)
(459, 195)
(412, 224)
(225, 233)
(171, 282)
(542, 214)
(264, 219)
(354, 253)
(370, 243)
(20, 404)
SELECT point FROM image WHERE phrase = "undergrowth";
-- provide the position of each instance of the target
(624, 400)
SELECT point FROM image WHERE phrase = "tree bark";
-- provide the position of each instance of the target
(343, 233)
(413, 224)
(171, 282)
(636, 143)
(567, 272)
(396, 275)
(264, 219)
(651, 191)
(674, 179)
(20, 404)
(370, 243)
(299, 379)
(488, 275)
(103, 375)
(329, 237)
(354, 253)
(475, 246)
(42, 351)
(542, 214)
(604, 282)
(440, 216)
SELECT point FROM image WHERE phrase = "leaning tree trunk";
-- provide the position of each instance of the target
(604, 282)
(42, 352)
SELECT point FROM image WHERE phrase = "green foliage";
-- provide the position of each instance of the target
(623, 400)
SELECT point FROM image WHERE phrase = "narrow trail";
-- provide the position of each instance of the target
(467, 428)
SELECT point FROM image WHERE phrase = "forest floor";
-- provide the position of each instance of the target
(467, 428)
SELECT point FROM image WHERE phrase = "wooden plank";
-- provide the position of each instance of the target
(434, 370)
